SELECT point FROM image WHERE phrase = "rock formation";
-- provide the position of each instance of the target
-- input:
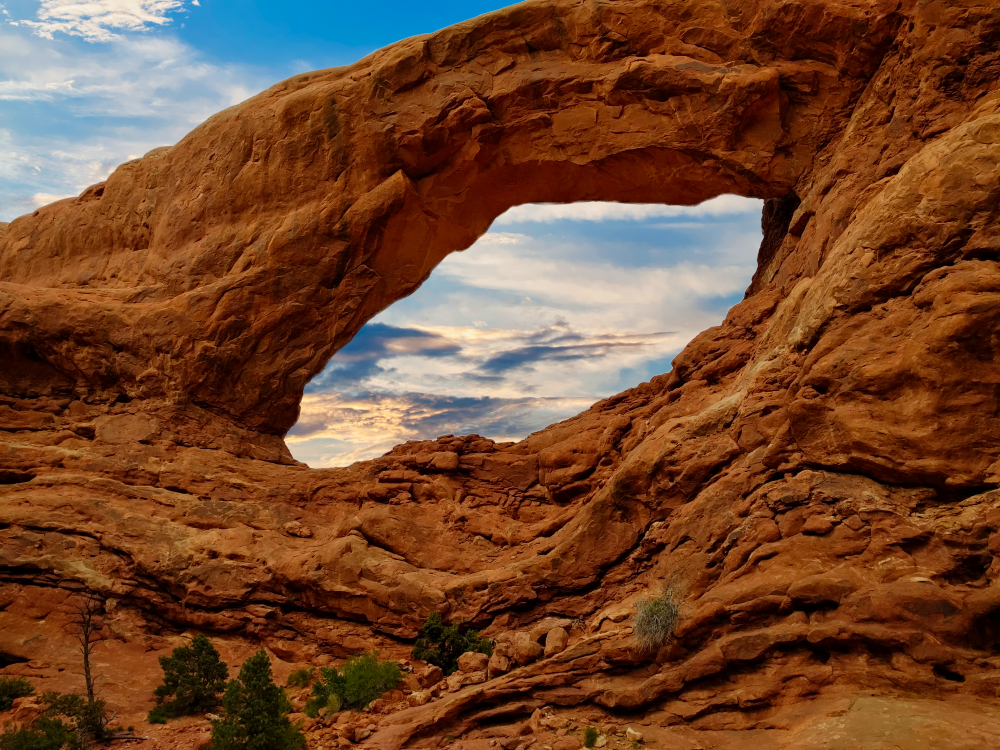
(816, 479)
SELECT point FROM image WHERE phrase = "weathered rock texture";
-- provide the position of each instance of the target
(817, 477)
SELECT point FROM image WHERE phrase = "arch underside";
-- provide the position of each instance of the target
(817, 475)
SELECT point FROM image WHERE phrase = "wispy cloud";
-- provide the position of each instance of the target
(137, 76)
(525, 329)
(44, 199)
(115, 101)
(98, 20)
(336, 429)
(723, 205)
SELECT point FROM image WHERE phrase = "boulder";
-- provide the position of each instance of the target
(498, 664)
(418, 698)
(556, 641)
(430, 675)
(525, 648)
(473, 662)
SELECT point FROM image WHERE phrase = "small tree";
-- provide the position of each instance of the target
(12, 688)
(255, 712)
(193, 678)
(88, 627)
(441, 644)
(90, 721)
(88, 718)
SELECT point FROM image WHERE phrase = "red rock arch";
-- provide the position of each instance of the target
(225, 271)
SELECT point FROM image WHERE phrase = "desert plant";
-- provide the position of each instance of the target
(44, 734)
(655, 620)
(589, 737)
(12, 688)
(193, 678)
(322, 698)
(300, 678)
(441, 644)
(255, 712)
(157, 716)
(360, 681)
(88, 718)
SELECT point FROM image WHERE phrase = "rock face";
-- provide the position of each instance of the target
(817, 477)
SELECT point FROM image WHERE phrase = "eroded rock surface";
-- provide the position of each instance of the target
(816, 479)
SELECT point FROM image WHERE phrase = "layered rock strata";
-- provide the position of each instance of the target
(816, 478)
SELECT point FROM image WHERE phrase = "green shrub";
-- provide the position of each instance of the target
(88, 718)
(300, 678)
(157, 716)
(441, 644)
(87, 724)
(589, 737)
(656, 620)
(12, 688)
(255, 712)
(360, 681)
(43, 734)
(324, 699)
(193, 678)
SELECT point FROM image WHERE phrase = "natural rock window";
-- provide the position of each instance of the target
(556, 307)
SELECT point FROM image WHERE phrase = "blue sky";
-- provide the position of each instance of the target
(556, 307)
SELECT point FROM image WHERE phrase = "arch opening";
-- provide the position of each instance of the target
(554, 308)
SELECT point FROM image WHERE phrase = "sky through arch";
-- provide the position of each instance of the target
(556, 307)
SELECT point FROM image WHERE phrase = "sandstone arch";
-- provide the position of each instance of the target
(819, 472)
(226, 270)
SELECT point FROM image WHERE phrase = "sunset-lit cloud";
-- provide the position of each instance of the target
(528, 327)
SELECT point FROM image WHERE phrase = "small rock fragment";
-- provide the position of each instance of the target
(420, 698)
(445, 461)
(430, 675)
(499, 664)
(556, 641)
(818, 525)
(297, 528)
(632, 735)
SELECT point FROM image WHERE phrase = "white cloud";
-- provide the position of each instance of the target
(44, 199)
(523, 330)
(502, 238)
(131, 77)
(147, 92)
(723, 205)
(96, 20)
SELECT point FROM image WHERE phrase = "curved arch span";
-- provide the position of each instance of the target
(216, 277)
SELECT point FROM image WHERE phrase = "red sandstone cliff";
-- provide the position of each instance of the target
(817, 476)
